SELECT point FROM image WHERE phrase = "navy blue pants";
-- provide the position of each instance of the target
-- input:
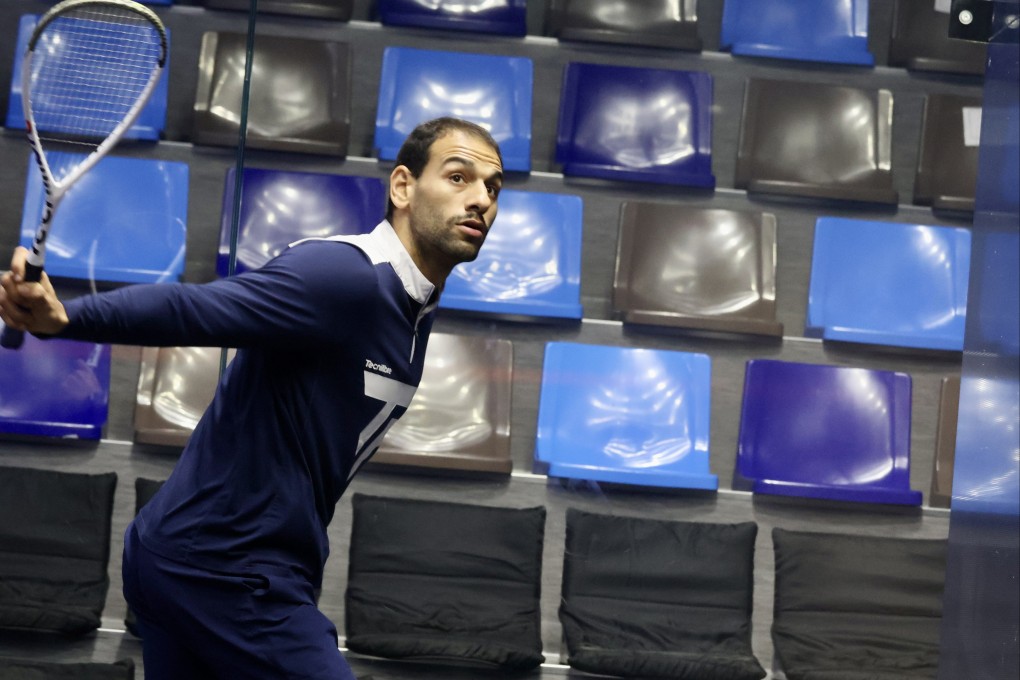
(207, 625)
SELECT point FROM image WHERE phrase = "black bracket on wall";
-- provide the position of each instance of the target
(978, 20)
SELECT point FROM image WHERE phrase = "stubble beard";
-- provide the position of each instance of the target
(442, 237)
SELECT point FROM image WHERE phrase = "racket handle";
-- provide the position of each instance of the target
(11, 338)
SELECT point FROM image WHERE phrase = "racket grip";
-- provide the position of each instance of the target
(11, 338)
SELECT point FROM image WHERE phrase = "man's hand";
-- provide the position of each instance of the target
(31, 307)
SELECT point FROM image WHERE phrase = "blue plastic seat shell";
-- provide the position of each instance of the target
(887, 283)
(124, 221)
(636, 124)
(150, 123)
(625, 415)
(495, 92)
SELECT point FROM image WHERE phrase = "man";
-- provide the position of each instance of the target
(220, 567)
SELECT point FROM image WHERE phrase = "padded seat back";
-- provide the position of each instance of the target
(54, 549)
(447, 581)
(658, 598)
(857, 607)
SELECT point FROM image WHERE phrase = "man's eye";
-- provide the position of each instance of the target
(456, 177)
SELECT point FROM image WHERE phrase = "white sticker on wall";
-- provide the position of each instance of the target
(943, 6)
(972, 126)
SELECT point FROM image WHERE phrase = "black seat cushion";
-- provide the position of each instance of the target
(449, 581)
(54, 549)
(658, 598)
(25, 669)
(857, 607)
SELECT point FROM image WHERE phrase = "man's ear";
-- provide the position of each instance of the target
(401, 187)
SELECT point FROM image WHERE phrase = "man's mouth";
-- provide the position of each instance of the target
(473, 227)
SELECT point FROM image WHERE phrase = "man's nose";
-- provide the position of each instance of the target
(480, 199)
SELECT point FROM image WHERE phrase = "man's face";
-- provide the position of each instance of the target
(453, 203)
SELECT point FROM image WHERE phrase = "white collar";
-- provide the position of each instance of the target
(383, 245)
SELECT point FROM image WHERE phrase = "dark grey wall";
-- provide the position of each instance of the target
(601, 205)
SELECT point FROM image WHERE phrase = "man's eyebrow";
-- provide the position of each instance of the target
(467, 162)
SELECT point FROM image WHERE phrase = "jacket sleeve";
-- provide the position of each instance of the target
(312, 294)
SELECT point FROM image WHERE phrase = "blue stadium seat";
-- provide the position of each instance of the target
(150, 123)
(695, 268)
(494, 92)
(504, 17)
(834, 31)
(885, 283)
(625, 415)
(530, 265)
(124, 221)
(636, 124)
(459, 419)
(279, 207)
(816, 140)
(55, 388)
(825, 432)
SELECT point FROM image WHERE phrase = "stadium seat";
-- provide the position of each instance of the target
(636, 124)
(124, 221)
(657, 598)
(279, 207)
(299, 95)
(625, 416)
(335, 10)
(530, 266)
(493, 91)
(55, 533)
(941, 493)
(150, 123)
(834, 31)
(699, 269)
(920, 41)
(55, 388)
(671, 24)
(857, 607)
(459, 419)
(175, 386)
(947, 164)
(816, 140)
(447, 582)
(886, 283)
(33, 669)
(825, 432)
(504, 17)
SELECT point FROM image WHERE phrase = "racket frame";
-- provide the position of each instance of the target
(55, 190)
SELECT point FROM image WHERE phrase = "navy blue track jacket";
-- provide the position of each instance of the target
(331, 338)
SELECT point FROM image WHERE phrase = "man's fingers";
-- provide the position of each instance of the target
(18, 263)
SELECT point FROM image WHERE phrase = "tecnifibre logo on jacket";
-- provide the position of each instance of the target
(381, 368)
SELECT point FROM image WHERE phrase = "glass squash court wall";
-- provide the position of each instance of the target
(526, 485)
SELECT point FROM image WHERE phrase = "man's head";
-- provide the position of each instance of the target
(414, 153)
(443, 193)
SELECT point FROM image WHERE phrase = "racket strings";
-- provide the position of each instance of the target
(89, 68)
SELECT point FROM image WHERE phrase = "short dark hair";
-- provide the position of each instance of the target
(414, 153)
